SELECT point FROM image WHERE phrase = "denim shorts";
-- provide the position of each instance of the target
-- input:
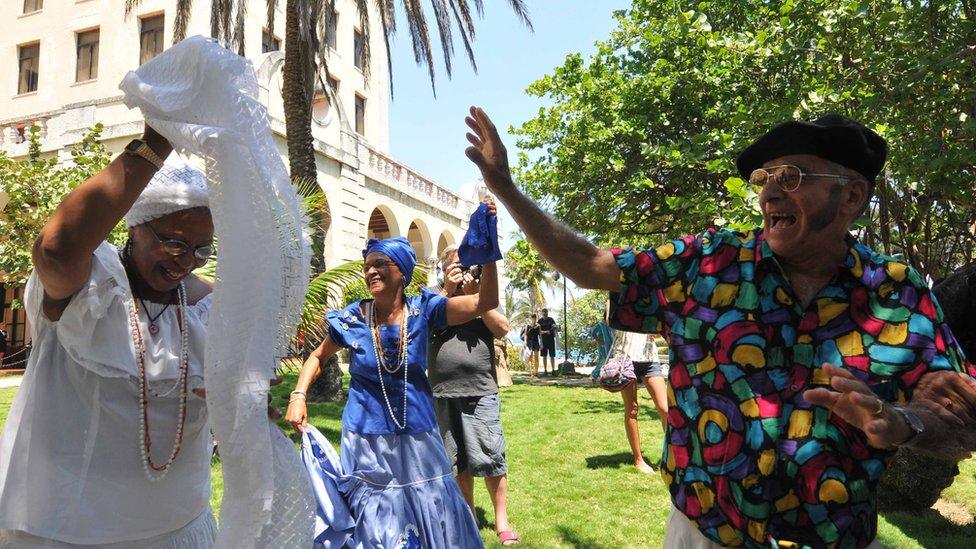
(472, 431)
(648, 369)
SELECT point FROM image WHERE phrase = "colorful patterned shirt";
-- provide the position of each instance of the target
(747, 459)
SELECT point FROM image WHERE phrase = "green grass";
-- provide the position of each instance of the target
(571, 482)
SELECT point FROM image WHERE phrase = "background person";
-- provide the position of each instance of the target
(3, 342)
(793, 347)
(642, 351)
(397, 483)
(118, 347)
(547, 339)
(530, 335)
(466, 401)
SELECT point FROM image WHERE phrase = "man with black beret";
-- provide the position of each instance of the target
(795, 350)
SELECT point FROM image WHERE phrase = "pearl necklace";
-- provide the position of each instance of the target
(145, 440)
(381, 361)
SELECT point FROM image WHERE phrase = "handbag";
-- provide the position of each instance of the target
(617, 374)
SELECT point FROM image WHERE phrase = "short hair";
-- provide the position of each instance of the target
(545, 310)
(446, 253)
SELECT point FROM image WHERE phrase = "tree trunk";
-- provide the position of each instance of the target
(298, 77)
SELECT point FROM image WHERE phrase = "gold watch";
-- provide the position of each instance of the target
(138, 147)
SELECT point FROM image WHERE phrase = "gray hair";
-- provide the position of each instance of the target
(446, 254)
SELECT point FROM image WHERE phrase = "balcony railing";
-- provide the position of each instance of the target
(390, 172)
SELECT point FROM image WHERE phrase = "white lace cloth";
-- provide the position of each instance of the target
(203, 99)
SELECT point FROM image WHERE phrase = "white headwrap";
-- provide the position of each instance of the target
(175, 187)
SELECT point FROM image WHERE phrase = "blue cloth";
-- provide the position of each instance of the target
(400, 489)
(604, 336)
(333, 520)
(366, 410)
(480, 244)
(399, 250)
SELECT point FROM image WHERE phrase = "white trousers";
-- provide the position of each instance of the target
(682, 534)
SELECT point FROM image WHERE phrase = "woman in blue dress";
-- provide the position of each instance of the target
(394, 474)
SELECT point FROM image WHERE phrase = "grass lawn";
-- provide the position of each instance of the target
(571, 483)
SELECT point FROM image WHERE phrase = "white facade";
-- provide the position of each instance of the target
(367, 191)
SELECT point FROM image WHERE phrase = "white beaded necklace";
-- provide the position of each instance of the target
(145, 440)
(381, 361)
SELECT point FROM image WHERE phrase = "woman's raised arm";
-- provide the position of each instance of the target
(62, 252)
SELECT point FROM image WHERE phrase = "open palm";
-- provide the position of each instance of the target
(487, 150)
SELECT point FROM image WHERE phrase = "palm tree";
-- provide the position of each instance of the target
(306, 59)
(529, 272)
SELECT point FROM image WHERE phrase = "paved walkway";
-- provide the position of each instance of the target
(10, 381)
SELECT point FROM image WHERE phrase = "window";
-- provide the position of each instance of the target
(360, 114)
(331, 29)
(321, 105)
(150, 38)
(86, 67)
(358, 49)
(29, 56)
(30, 6)
(269, 42)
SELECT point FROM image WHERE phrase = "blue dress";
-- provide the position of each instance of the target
(396, 480)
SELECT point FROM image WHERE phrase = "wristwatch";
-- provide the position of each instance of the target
(138, 147)
(914, 423)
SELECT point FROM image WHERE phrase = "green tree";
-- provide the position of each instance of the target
(35, 186)
(528, 272)
(585, 311)
(640, 139)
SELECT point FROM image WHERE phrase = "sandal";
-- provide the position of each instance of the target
(508, 538)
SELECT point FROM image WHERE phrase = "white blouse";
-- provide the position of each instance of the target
(70, 462)
(637, 347)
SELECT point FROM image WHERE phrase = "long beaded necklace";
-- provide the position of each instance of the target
(145, 440)
(381, 365)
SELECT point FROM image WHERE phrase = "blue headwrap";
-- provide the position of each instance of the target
(480, 244)
(399, 251)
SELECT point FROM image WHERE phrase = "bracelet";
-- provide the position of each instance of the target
(298, 393)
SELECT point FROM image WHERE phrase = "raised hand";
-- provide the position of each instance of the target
(852, 400)
(487, 151)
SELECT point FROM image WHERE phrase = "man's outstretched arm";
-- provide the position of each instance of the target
(564, 249)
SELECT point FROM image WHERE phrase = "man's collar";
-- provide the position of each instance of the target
(853, 259)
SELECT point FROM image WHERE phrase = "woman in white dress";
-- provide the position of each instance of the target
(107, 442)
(642, 351)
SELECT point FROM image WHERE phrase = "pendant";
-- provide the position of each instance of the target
(153, 329)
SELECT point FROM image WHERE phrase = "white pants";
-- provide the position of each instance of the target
(682, 534)
(198, 534)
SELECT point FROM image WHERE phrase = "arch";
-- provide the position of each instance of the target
(419, 237)
(446, 239)
(382, 223)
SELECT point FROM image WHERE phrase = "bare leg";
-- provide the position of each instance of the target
(535, 363)
(631, 413)
(658, 388)
(498, 490)
(466, 484)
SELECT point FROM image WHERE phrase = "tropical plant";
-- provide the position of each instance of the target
(528, 272)
(639, 141)
(35, 185)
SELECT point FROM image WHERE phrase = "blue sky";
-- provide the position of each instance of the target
(427, 133)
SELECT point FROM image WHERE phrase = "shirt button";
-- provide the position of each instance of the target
(795, 387)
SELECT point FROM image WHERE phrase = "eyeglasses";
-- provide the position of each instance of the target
(379, 265)
(177, 248)
(787, 177)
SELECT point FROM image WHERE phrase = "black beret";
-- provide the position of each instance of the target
(832, 137)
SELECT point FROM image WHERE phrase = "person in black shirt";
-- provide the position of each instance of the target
(530, 335)
(547, 336)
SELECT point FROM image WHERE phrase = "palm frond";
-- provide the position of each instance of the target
(271, 5)
(362, 6)
(420, 37)
(522, 12)
(238, 37)
(325, 292)
(182, 19)
(443, 19)
(462, 14)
